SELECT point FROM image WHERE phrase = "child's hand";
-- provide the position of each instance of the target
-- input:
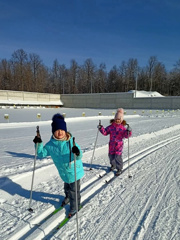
(99, 126)
(37, 140)
(76, 150)
(129, 129)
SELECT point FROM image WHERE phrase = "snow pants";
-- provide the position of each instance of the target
(116, 161)
(70, 192)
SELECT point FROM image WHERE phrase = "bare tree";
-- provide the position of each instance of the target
(131, 73)
(54, 77)
(19, 60)
(122, 75)
(113, 79)
(62, 78)
(73, 77)
(142, 79)
(100, 79)
(174, 80)
(89, 70)
(5, 75)
(82, 80)
(159, 78)
(28, 73)
(43, 80)
(177, 67)
(35, 66)
(152, 62)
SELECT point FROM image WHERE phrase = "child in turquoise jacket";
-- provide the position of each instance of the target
(60, 148)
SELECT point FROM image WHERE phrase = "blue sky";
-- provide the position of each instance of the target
(107, 31)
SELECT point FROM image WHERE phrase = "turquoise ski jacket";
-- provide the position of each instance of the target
(63, 158)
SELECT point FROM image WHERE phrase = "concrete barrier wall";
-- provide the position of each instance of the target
(18, 97)
(95, 100)
(157, 103)
(27, 96)
(98, 100)
(116, 100)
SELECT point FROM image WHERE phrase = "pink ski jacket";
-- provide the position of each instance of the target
(117, 133)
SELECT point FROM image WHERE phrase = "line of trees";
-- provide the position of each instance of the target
(26, 72)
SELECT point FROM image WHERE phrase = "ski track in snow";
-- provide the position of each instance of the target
(144, 207)
(144, 218)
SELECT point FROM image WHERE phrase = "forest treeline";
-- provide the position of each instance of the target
(26, 72)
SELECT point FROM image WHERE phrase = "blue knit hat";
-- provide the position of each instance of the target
(58, 123)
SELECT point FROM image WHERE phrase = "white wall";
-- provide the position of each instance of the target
(29, 98)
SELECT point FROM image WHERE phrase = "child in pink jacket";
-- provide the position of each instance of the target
(117, 132)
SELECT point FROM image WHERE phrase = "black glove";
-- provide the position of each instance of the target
(37, 140)
(129, 129)
(76, 150)
(99, 126)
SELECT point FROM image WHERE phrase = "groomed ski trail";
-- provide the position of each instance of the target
(143, 218)
(133, 159)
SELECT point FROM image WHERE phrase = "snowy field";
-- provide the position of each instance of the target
(146, 206)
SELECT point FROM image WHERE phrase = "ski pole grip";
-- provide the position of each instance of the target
(99, 122)
(74, 141)
(38, 132)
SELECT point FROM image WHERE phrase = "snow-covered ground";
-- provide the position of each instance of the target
(146, 206)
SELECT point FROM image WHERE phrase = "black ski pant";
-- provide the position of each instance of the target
(116, 161)
(70, 192)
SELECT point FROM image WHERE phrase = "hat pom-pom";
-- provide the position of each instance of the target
(120, 110)
(57, 116)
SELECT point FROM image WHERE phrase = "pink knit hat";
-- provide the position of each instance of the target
(119, 114)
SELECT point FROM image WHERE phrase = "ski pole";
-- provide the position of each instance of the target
(94, 146)
(38, 135)
(129, 176)
(76, 191)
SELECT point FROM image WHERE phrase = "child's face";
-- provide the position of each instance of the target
(118, 120)
(59, 134)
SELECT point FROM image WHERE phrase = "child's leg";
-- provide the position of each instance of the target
(78, 193)
(119, 162)
(112, 160)
(72, 195)
(66, 190)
